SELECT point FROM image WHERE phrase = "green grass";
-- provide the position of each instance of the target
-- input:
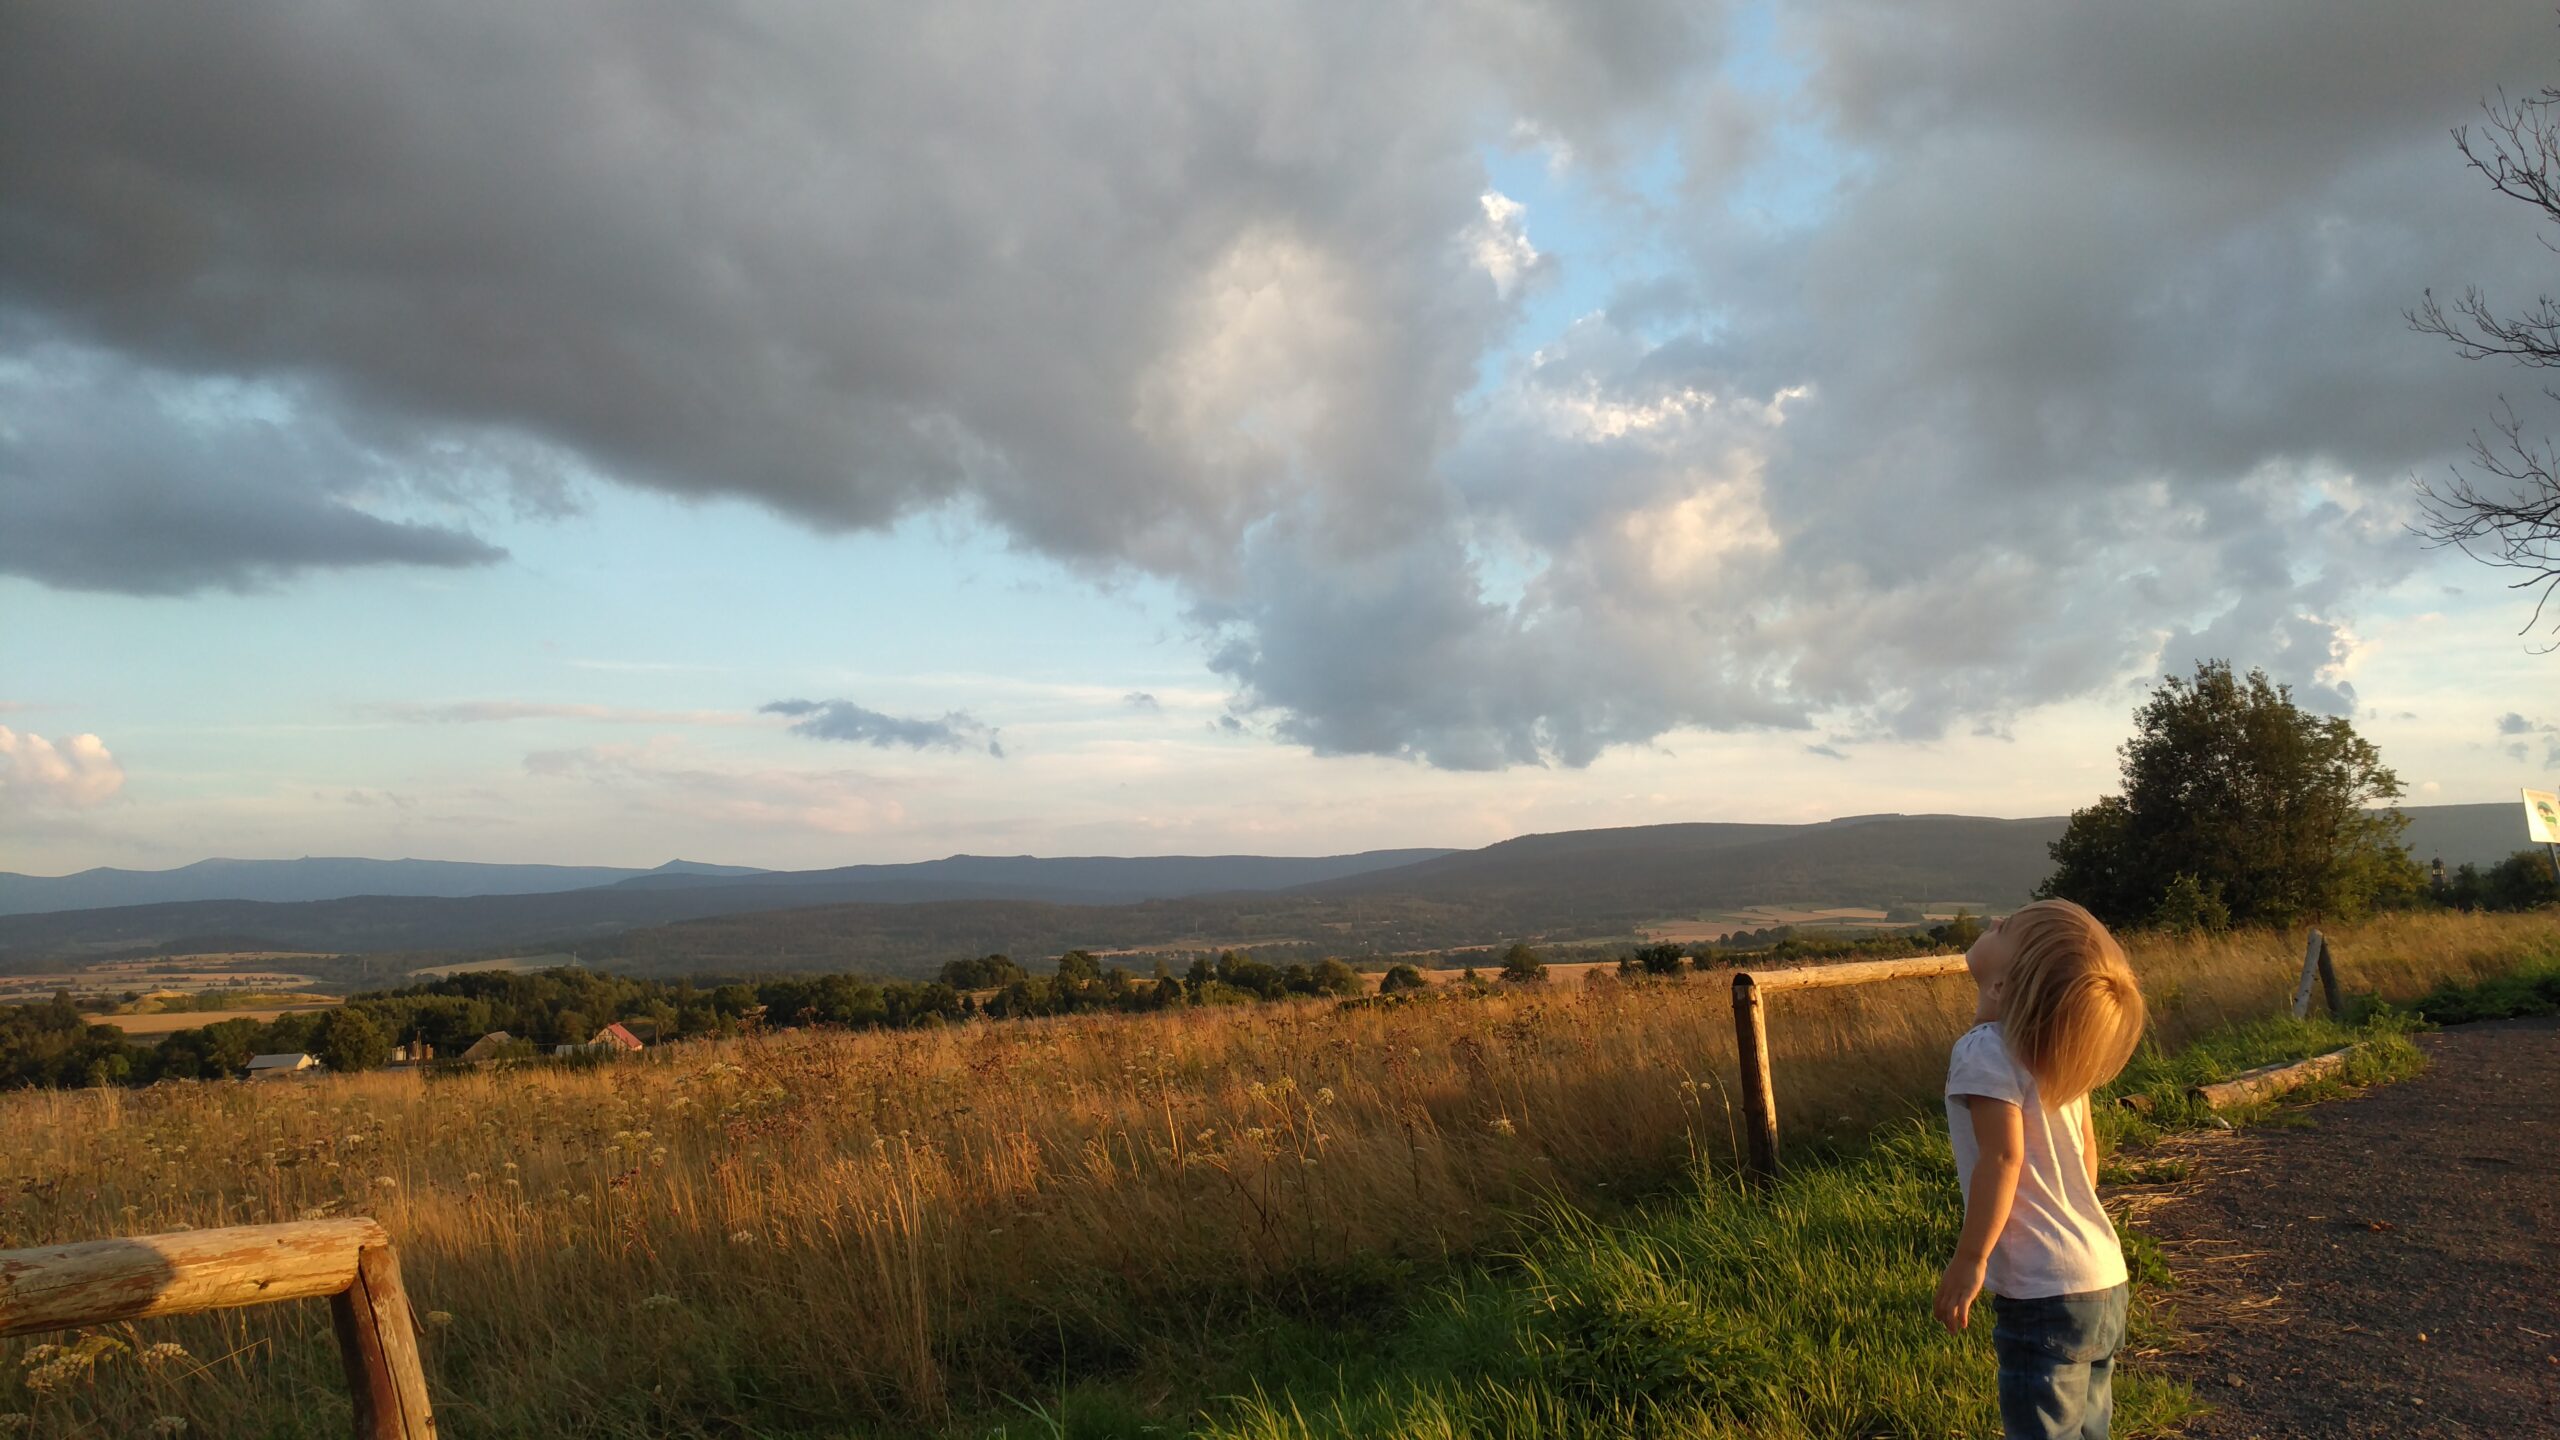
(1717, 1311)
(2384, 1053)
(2531, 990)
(1801, 1313)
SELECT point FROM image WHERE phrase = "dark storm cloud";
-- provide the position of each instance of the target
(2069, 349)
(107, 485)
(844, 720)
(848, 260)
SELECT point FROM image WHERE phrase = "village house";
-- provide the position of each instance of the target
(281, 1067)
(613, 1039)
(488, 1047)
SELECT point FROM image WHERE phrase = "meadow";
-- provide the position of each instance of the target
(1128, 1218)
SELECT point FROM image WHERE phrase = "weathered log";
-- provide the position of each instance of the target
(1861, 972)
(2269, 1081)
(101, 1281)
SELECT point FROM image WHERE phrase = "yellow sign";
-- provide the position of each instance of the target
(2542, 817)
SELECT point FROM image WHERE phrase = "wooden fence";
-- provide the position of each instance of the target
(1751, 1035)
(348, 1261)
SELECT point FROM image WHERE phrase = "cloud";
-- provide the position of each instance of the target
(2019, 351)
(2516, 737)
(1141, 700)
(1827, 752)
(36, 772)
(662, 780)
(478, 712)
(126, 477)
(844, 720)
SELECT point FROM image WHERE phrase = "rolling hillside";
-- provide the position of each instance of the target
(907, 919)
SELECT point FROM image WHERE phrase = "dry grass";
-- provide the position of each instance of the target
(810, 1231)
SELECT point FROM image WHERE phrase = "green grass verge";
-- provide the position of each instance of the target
(1720, 1312)
(2532, 990)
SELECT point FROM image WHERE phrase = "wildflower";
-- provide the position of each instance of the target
(16, 1422)
(471, 1179)
(169, 1425)
(52, 1375)
(438, 1319)
(1502, 1125)
(1325, 1096)
(1206, 1137)
(661, 1302)
(167, 1352)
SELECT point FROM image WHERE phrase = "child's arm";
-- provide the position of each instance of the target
(2089, 1138)
(2000, 1136)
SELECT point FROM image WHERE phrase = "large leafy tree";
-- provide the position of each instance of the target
(2236, 801)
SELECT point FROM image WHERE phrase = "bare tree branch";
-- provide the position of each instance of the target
(2505, 510)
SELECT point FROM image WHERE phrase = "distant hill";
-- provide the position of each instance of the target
(906, 919)
(314, 878)
(1099, 880)
(376, 922)
(2475, 834)
(1652, 870)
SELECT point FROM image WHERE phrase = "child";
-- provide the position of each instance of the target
(2058, 1015)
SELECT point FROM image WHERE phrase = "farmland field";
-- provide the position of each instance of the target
(949, 1230)
(165, 1022)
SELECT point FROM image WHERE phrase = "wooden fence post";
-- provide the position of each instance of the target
(378, 1343)
(1759, 1105)
(2310, 973)
(2329, 982)
(349, 1261)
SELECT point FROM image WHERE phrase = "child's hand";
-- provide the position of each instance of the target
(1956, 1290)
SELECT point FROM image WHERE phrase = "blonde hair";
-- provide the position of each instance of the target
(2071, 1012)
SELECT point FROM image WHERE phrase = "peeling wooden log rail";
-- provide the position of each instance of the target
(349, 1261)
(1751, 1035)
(2268, 1081)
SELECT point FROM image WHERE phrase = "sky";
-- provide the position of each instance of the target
(799, 434)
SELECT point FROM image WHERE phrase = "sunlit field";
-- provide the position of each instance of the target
(829, 1233)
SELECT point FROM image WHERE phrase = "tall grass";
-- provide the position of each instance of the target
(812, 1233)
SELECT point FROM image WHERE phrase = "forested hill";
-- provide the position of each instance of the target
(1078, 880)
(1666, 869)
(1571, 885)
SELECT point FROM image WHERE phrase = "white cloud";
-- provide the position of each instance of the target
(1501, 242)
(35, 771)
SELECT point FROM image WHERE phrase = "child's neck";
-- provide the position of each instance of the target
(1986, 1007)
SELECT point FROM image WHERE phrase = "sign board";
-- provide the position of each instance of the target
(2542, 817)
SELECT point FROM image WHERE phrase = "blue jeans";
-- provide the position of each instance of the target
(2058, 1364)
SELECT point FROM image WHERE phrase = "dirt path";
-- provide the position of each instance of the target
(2389, 1268)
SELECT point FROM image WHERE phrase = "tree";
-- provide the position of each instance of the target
(2264, 807)
(1662, 958)
(2507, 513)
(1400, 979)
(1521, 965)
(349, 1041)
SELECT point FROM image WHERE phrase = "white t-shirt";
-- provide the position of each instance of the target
(2058, 1240)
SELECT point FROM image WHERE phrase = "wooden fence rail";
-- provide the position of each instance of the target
(1751, 1035)
(348, 1261)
